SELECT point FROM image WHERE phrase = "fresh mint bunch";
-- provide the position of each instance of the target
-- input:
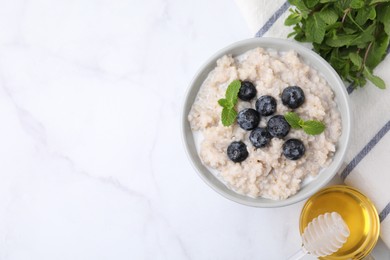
(352, 35)
(311, 127)
(229, 114)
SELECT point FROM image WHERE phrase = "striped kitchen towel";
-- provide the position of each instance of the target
(367, 162)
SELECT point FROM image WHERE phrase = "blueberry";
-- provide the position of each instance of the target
(248, 119)
(247, 91)
(277, 126)
(237, 151)
(293, 149)
(260, 137)
(293, 97)
(266, 105)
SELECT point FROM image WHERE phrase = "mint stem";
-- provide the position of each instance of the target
(366, 55)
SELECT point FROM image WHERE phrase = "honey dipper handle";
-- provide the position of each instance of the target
(299, 254)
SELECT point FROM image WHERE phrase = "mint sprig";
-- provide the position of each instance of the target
(311, 127)
(352, 35)
(229, 114)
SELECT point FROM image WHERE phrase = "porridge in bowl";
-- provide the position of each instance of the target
(260, 154)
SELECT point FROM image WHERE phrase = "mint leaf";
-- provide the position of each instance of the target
(311, 3)
(335, 59)
(328, 15)
(377, 81)
(300, 5)
(341, 40)
(228, 116)
(357, 4)
(223, 103)
(366, 36)
(232, 91)
(356, 59)
(378, 1)
(293, 19)
(342, 4)
(291, 34)
(378, 50)
(364, 14)
(348, 30)
(292, 119)
(384, 17)
(315, 28)
(313, 127)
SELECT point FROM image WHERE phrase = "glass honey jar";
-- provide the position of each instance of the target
(357, 211)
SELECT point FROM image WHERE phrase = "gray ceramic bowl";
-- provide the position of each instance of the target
(311, 59)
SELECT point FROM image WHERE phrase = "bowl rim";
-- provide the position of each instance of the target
(300, 49)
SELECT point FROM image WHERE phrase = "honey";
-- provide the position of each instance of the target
(358, 213)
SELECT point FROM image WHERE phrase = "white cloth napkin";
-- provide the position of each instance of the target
(367, 162)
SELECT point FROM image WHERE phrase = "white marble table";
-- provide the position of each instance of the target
(92, 164)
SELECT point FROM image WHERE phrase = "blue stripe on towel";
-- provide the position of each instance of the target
(366, 149)
(384, 212)
(350, 88)
(273, 19)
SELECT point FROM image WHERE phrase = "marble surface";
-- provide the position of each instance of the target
(92, 164)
